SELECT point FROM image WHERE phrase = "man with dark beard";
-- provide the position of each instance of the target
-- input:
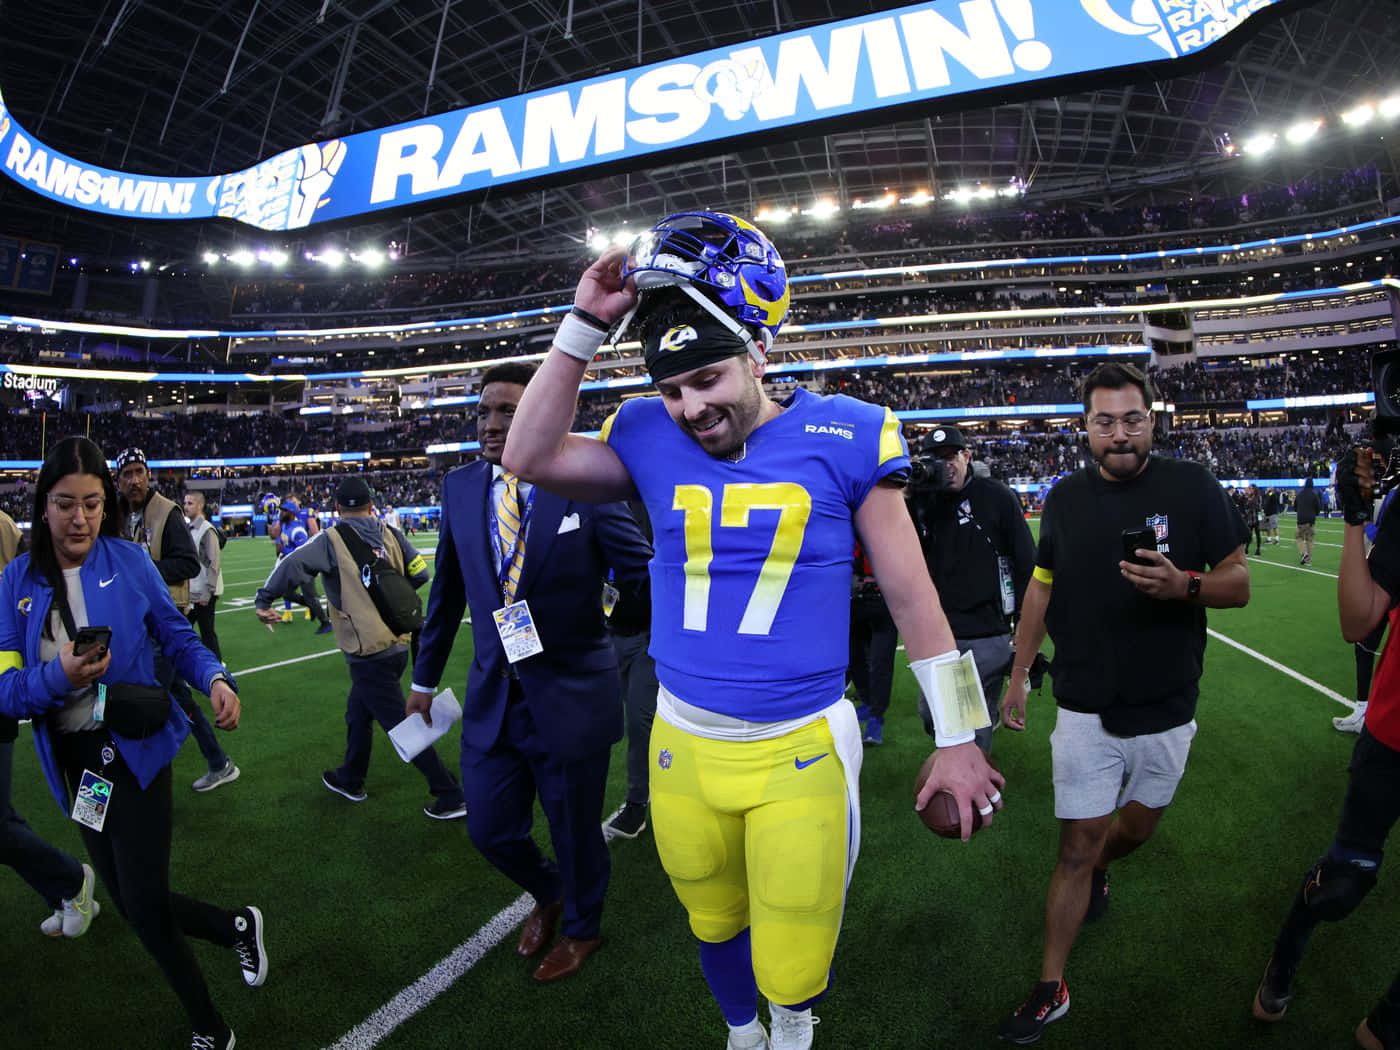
(1121, 584)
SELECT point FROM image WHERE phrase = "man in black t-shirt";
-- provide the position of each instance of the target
(1129, 629)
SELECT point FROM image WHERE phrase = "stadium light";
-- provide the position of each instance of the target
(622, 238)
(1390, 107)
(985, 193)
(145, 264)
(371, 258)
(211, 258)
(243, 257)
(1260, 144)
(333, 257)
(962, 195)
(823, 209)
(1359, 115)
(599, 242)
(1302, 131)
(920, 199)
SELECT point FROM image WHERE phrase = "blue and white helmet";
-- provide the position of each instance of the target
(723, 262)
(269, 504)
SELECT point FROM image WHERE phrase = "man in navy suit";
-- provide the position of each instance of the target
(531, 566)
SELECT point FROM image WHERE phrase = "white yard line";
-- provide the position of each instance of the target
(1282, 668)
(380, 1024)
(1294, 568)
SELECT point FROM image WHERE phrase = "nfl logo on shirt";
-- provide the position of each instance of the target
(1158, 524)
(663, 758)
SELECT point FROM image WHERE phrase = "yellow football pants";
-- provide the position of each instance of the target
(755, 833)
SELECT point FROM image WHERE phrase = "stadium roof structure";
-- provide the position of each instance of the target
(190, 87)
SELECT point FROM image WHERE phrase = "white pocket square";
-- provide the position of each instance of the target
(568, 524)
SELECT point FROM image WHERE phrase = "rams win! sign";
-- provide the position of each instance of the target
(928, 52)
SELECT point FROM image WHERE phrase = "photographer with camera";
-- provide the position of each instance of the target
(1121, 583)
(1368, 594)
(980, 554)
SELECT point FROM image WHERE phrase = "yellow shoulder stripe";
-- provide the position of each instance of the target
(417, 565)
(607, 426)
(891, 443)
(10, 661)
(1045, 576)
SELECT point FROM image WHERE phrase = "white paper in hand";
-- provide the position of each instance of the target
(413, 735)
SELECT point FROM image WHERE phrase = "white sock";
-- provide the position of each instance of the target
(776, 1011)
(749, 1035)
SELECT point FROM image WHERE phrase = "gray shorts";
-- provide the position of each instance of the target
(1271, 522)
(1097, 772)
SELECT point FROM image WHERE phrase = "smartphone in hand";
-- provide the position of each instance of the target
(1135, 540)
(92, 639)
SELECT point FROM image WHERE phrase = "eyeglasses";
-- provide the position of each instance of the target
(65, 505)
(1133, 423)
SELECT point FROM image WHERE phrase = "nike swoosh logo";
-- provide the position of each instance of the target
(803, 765)
(104, 583)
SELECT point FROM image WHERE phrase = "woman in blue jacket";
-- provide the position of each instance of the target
(79, 573)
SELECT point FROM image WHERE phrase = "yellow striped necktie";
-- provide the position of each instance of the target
(512, 536)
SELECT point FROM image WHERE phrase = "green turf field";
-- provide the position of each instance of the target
(940, 939)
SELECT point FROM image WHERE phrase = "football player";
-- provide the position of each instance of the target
(755, 755)
(295, 529)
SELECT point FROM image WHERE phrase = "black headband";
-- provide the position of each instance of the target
(683, 347)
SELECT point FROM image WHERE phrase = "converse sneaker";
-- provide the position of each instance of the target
(792, 1029)
(747, 1037)
(334, 783)
(627, 822)
(1275, 991)
(248, 943)
(1048, 1001)
(1098, 896)
(1351, 723)
(215, 777)
(223, 1041)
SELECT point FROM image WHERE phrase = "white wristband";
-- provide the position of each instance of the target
(577, 338)
(953, 691)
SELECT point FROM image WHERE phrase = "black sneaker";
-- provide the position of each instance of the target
(333, 783)
(1098, 896)
(248, 943)
(1049, 1001)
(446, 809)
(222, 1041)
(1275, 991)
(627, 823)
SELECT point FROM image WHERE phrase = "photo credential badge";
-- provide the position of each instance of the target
(517, 630)
(93, 801)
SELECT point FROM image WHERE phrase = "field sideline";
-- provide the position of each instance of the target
(940, 939)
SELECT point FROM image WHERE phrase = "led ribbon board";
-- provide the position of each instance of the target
(933, 51)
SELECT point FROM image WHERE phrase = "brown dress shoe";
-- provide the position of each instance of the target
(539, 928)
(566, 958)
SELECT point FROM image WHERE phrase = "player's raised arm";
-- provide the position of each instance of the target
(540, 448)
(890, 542)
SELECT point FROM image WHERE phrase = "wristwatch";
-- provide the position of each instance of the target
(1193, 585)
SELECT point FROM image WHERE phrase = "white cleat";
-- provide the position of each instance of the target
(792, 1029)
(1351, 723)
(750, 1037)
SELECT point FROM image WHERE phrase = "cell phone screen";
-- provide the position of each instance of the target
(1135, 540)
(91, 638)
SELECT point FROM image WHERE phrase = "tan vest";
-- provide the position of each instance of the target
(157, 513)
(9, 540)
(359, 629)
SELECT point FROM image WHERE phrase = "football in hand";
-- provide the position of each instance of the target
(941, 814)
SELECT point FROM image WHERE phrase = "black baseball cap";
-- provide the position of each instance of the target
(941, 438)
(353, 494)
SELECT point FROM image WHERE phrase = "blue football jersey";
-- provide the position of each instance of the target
(751, 579)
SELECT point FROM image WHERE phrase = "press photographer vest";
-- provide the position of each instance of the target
(359, 629)
(154, 517)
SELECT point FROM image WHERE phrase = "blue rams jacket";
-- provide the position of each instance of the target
(122, 590)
